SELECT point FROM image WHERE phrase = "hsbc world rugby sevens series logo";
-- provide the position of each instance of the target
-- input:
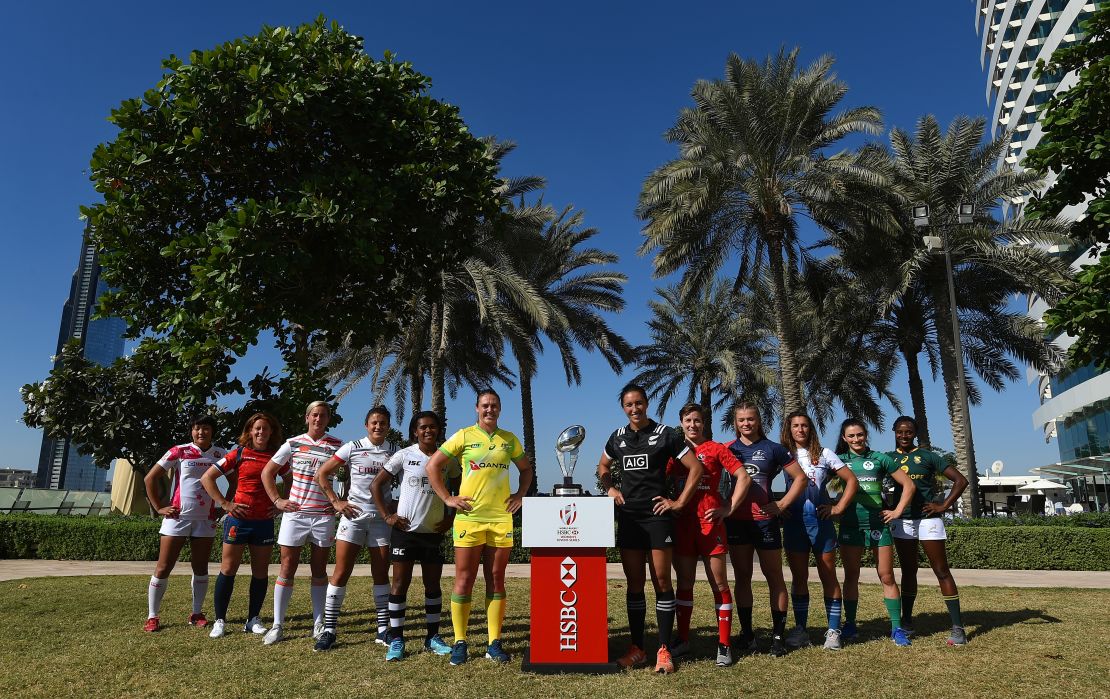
(568, 533)
(568, 514)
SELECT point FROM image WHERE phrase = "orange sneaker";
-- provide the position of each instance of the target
(198, 620)
(663, 661)
(151, 624)
(633, 658)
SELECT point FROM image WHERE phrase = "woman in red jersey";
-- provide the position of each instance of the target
(700, 530)
(250, 517)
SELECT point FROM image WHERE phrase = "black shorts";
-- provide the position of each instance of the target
(414, 546)
(643, 530)
(761, 533)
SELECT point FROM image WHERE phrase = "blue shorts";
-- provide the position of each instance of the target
(802, 535)
(763, 534)
(252, 532)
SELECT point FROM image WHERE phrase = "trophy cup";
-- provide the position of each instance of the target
(566, 451)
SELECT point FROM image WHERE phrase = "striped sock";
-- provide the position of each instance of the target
(334, 602)
(319, 598)
(800, 603)
(283, 592)
(200, 591)
(953, 604)
(495, 614)
(833, 609)
(850, 607)
(636, 605)
(433, 609)
(722, 600)
(460, 615)
(381, 607)
(154, 593)
(397, 607)
(894, 611)
(685, 601)
(221, 596)
(664, 616)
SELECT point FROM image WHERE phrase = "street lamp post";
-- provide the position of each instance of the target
(965, 214)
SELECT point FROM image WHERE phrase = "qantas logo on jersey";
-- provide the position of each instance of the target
(479, 465)
(635, 462)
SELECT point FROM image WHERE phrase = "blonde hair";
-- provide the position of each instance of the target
(317, 404)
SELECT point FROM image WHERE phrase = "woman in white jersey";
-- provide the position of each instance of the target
(308, 516)
(191, 515)
(807, 526)
(361, 526)
(419, 523)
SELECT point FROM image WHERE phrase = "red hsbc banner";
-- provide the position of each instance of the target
(570, 615)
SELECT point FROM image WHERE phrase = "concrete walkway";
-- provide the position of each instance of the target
(15, 569)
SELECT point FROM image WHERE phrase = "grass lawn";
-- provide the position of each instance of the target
(83, 637)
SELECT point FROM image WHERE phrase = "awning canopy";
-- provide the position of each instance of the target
(1091, 466)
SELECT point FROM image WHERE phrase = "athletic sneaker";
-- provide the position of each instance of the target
(797, 638)
(778, 648)
(318, 628)
(724, 655)
(496, 653)
(680, 649)
(748, 644)
(396, 650)
(634, 657)
(832, 640)
(273, 635)
(957, 637)
(254, 625)
(458, 653)
(849, 632)
(382, 639)
(152, 624)
(900, 637)
(217, 629)
(663, 661)
(198, 620)
(437, 645)
(907, 626)
(324, 642)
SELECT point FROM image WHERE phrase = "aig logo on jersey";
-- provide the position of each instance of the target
(635, 462)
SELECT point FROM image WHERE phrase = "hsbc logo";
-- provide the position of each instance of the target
(568, 609)
(635, 462)
(568, 572)
(568, 514)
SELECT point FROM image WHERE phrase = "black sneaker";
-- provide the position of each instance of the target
(778, 646)
(325, 642)
(747, 644)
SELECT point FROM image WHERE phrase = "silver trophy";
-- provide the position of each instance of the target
(566, 451)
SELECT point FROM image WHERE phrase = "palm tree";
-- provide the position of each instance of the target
(752, 160)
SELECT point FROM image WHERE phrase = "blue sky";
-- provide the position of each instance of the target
(585, 89)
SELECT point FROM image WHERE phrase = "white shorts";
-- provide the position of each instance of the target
(295, 529)
(371, 531)
(199, 528)
(926, 529)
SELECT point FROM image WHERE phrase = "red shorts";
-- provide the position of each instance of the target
(696, 537)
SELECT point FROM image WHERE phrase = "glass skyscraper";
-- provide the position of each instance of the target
(60, 466)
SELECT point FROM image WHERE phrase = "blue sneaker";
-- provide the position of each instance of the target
(396, 650)
(382, 639)
(496, 653)
(849, 632)
(437, 645)
(458, 653)
(901, 638)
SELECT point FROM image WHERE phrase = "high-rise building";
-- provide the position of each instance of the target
(1016, 34)
(60, 466)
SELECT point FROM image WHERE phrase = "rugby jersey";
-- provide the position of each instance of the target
(484, 459)
(186, 463)
(245, 468)
(763, 460)
(641, 456)
(416, 501)
(715, 459)
(817, 477)
(304, 456)
(364, 461)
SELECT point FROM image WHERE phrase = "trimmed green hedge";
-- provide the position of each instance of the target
(1018, 546)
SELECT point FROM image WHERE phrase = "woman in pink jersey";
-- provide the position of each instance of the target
(700, 531)
(191, 515)
(250, 517)
(308, 516)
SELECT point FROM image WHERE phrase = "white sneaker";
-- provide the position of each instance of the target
(273, 635)
(317, 628)
(797, 638)
(254, 625)
(217, 629)
(832, 639)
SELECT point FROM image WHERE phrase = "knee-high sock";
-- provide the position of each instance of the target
(722, 600)
(850, 607)
(200, 591)
(685, 609)
(778, 623)
(745, 614)
(907, 608)
(664, 616)
(894, 611)
(319, 598)
(433, 609)
(495, 614)
(221, 596)
(381, 607)
(397, 606)
(283, 592)
(953, 604)
(333, 603)
(460, 615)
(636, 605)
(154, 593)
(257, 597)
(833, 612)
(800, 603)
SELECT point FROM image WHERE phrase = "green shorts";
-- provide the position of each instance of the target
(865, 536)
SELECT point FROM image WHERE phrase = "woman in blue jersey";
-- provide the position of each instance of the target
(807, 526)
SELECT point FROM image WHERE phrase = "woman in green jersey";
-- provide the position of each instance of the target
(865, 525)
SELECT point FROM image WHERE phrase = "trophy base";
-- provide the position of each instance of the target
(565, 490)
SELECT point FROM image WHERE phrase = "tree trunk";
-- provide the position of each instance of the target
(529, 426)
(438, 349)
(707, 406)
(917, 396)
(416, 393)
(788, 365)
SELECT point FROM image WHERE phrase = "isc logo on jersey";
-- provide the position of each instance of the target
(635, 462)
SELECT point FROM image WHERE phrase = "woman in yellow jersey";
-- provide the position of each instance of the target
(484, 516)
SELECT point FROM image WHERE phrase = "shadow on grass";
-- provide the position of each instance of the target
(976, 622)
